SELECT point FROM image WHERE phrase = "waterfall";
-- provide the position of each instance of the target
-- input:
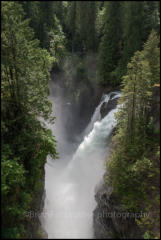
(70, 189)
(97, 115)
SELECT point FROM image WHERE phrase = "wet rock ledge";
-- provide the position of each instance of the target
(107, 107)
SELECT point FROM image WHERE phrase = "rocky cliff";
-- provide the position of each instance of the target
(111, 220)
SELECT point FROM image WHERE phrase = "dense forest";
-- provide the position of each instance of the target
(92, 44)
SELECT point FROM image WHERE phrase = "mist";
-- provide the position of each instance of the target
(70, 181)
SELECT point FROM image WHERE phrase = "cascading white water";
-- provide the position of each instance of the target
(70, 202)
(97, 115)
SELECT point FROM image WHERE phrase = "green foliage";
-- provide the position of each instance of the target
(139, 20)
(46, 20)
(79, 15)
(152, 54)
(13, 233)
(147, 235)
(25, 141)
(12, 171)
(26, 62)
(134, 162)
(57, 43)
(126, 27)
(25, 66)
(47, 12)
(121, 28)
(109, 47)
(100, 22)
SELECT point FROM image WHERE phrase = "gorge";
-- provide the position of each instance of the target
(71, 180)
(80, 119)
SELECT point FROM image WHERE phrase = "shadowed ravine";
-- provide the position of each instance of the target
(71, 180)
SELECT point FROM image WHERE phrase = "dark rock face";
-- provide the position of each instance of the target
(107, 107)
(103, 227)
(111, 221)
(33, 224)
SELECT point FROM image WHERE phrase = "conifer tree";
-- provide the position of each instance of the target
(109, 51)
(22, 60)
(81, 24)
(132, 138)
(71, 24)
(25, 141)
(139, 19)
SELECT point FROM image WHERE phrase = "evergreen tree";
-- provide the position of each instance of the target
(152, 54)
(81, 24)
(133, 164)
(32, 10)
(22, 60)
(109, 51)
(152, 11)
(57, 42)
(25, 141)
(126, 28)
(100, 14)
(71, 24)
(91, 32)
(140, 18)
(45, 16)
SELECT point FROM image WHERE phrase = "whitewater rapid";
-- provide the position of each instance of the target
(70, 183)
